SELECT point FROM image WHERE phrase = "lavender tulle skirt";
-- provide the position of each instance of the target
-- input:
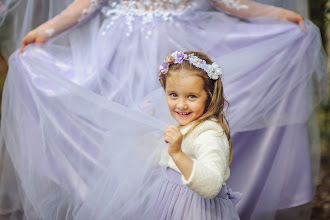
(177, 201)
(82, 129)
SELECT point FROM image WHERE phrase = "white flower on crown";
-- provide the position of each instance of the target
(199, 63)
(214, 71)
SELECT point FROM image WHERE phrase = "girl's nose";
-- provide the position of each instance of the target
(182, 105)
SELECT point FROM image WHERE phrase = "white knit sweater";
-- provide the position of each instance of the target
(207, 145)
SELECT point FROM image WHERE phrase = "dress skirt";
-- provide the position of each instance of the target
(177, 201)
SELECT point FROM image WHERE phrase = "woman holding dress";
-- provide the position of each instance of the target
(65, 112)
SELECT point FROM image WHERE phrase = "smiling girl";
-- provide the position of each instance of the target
(200, 147)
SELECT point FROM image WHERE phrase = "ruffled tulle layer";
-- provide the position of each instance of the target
(79, 143)
(176, 201)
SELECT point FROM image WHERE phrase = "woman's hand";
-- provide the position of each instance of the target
(251, 9)
(32, 37)
(173, 137)
(287, 15)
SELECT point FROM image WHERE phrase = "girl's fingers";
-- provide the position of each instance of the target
(169, 131)
(171, 128)
(167, 138)
(172, 134)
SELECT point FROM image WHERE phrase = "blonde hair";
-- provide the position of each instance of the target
(216, 105)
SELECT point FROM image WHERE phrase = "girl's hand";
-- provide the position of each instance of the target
(287, 15)
(173, 137)
(32, 37)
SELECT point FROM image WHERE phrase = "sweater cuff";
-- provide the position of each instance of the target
(187, 182)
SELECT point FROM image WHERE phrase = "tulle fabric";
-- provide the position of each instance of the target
(81, 145)
(87, 152)
(176, 201)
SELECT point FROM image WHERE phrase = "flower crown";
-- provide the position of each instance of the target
(213, 70)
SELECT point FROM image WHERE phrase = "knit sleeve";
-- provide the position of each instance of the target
(209, 167)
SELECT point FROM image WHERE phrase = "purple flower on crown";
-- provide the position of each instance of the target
(163, 69)
(179, 56)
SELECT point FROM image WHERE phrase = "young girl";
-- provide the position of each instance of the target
(200, 147)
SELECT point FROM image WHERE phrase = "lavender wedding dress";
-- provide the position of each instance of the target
(82, 128)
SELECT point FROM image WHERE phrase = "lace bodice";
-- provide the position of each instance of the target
(151, 8)
(152, 5)
(168, 8)
(162, 9)
(148, 10)
(180, 4)
(174, 5)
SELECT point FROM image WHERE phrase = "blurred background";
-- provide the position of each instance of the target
(318, 11)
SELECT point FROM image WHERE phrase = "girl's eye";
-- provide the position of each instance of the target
(173, 95)
(192, 96)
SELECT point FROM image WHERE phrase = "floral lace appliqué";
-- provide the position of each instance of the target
(94, 4)
(50, 32)
(146, 10)
(234, 4)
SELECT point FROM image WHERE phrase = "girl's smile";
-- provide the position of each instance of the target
(183, 114)
(185, 95)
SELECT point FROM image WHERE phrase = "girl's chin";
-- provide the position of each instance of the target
(183, 122)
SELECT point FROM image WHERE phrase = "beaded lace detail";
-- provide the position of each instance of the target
(50, 32)
(234, 4)
(94, 4)
(147, 10)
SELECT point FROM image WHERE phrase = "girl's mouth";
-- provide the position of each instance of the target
(183, 114)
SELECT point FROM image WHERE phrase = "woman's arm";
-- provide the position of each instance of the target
(250, 9)
(72, 15)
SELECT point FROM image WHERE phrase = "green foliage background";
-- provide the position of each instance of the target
(320, 15)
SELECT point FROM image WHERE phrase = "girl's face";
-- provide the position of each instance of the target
(185, 95)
